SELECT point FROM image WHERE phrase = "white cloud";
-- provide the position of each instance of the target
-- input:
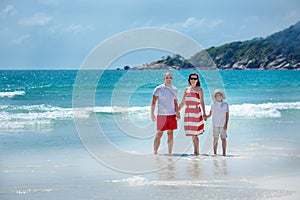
(77, 28)
(8, 11)
(20, 39)
(192, 21)
(195, 22)
(74, 28)
(214, 23)
(38, 19)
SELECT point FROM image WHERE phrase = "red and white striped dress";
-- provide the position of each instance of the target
(193, 120)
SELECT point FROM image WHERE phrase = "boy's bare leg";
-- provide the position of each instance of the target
(157, 141)
(215, 145)
(224, 146)
(170, 141)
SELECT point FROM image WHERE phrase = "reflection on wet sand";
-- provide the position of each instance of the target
(195, 167)
(220, 166)
(166, 166)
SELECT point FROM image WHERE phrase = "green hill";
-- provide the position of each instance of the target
(280, 50)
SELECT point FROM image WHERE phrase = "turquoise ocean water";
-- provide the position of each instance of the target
(46, 155)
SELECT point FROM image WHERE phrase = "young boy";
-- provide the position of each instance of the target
(220, 116)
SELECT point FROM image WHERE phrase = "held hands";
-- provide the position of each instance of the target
(177, 115)
(205, 117)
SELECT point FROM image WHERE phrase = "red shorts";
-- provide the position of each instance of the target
(166, 122)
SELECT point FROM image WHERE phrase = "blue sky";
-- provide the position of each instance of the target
(54, 34)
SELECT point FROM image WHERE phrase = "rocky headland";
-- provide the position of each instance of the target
(279, 51)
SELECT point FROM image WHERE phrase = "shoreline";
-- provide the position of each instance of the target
(284, 182)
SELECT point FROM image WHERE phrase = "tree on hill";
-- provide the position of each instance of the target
(176, 60)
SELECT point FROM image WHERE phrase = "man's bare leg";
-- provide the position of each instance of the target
(157, 141)
(170, 141)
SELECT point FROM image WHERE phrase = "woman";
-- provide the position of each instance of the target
(193, 118)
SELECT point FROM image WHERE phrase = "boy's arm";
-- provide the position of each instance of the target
(226, 121)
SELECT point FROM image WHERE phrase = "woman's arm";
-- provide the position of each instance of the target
(210, 113)
(200, 91)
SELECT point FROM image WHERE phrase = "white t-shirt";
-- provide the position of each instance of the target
(166, 96)
(219, 110)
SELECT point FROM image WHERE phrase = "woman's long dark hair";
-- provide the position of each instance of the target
(194, 74)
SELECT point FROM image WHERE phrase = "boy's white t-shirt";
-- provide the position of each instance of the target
(166, 96)
(219, 110)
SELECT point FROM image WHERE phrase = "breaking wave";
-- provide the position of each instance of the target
(21, 117)
(11, 94)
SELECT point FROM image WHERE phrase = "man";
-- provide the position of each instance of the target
(166, 97)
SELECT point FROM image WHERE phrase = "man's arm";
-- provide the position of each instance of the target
(154, 99)
(176, 108)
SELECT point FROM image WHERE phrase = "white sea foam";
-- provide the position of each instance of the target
(12, 94)
(14, 118)
(262, 110)
(116, 109)
(38, 190)
(43, 116)
(141, 181)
